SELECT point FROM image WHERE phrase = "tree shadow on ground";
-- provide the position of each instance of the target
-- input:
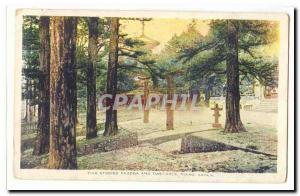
(159, 140)
(160, 130)
(196, 144)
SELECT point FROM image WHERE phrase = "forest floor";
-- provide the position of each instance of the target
(160, 150)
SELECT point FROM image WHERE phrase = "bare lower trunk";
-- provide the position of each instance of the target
(33, 87)
(27, 117)
(76, 113)
(62, 94)
(30, 102)
(170, 111)
(207, 97)
(146, 110)
(42, 138)
(111, 126)
(34, 111)
(26, 111)
(91, 121)
(233, 120)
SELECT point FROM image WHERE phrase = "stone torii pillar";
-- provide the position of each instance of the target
(216, 114)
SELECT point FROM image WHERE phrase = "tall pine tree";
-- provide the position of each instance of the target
(42, 138)
(233, 43)
(233, 122)
(91, 120)
(111, 126)
(62, 93)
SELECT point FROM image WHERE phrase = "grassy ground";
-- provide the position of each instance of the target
(159, 150)
(166, 156)
(153, 159)
(82, 141)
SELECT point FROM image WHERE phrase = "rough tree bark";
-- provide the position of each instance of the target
(42, 139)
(30, 103)
(207, 97)
(111, 126)
(33, 87)
(28, 113)
(62, 93)
(91, 121)
(233, 120)
(146, 94)
(170, 111)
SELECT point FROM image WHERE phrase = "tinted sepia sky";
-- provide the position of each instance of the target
(162, 30)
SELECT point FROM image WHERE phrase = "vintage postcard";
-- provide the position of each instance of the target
(151, 96)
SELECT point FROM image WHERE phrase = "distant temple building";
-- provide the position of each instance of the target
(268, 91)
(254, 96)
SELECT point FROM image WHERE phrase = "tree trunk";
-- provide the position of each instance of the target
(34, 97)
(170, 111)
(27, 102)
(33, 111)
(62, 93)
(42, 138)
(146, 94)
(76, 113)
(111, 126)
(207, 96)
(30, 111)
(91, 129)
(26, 109)
(233, 121)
